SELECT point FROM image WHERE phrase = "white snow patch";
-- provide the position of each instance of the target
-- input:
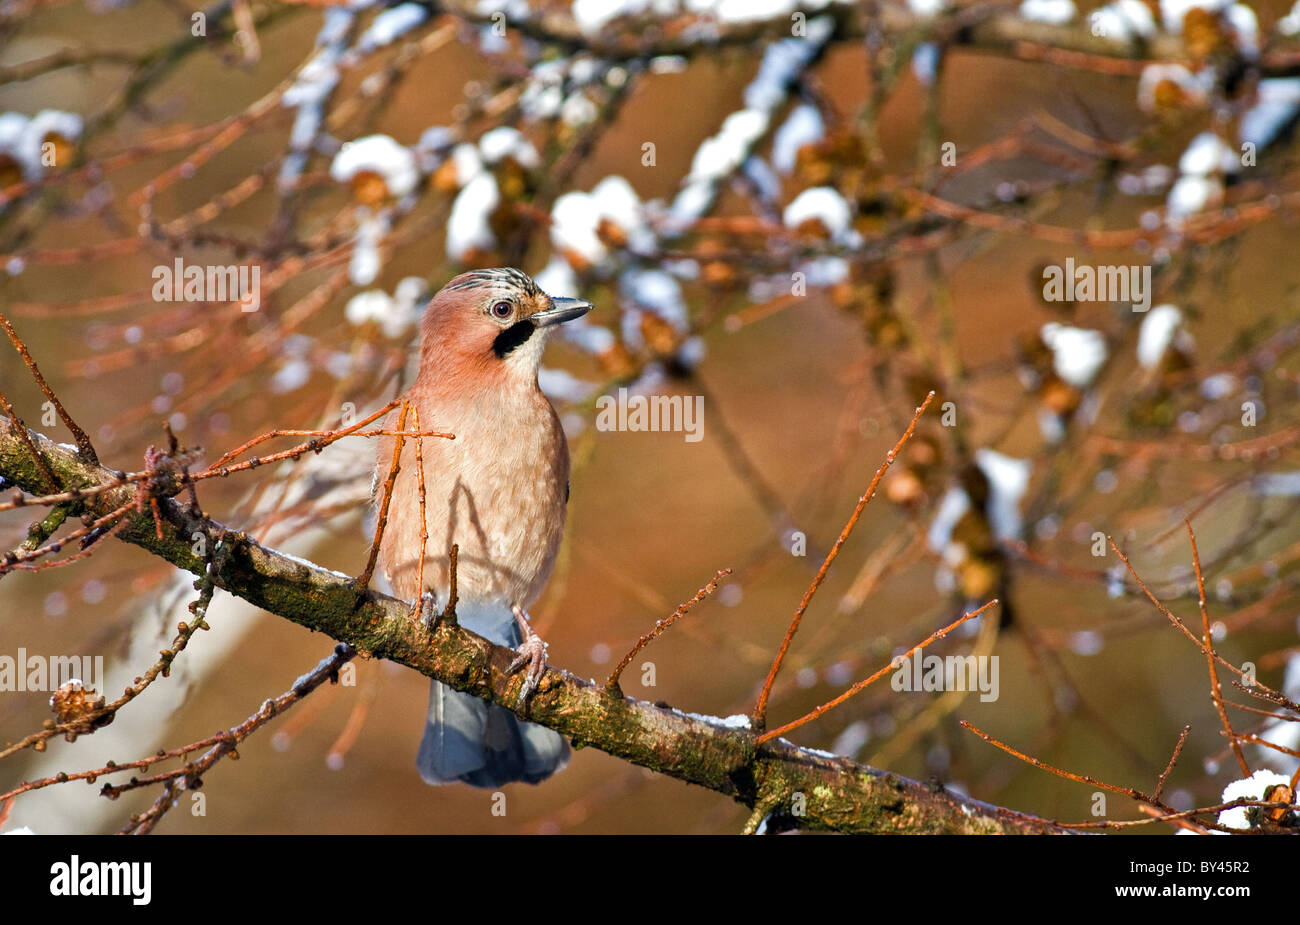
(952, 508)
(366, 259)
(1192, 194)
(1054, 12)
(927, 7)
(1208, 154)
(468, 227)
(804, 126)
(1277, 105)
(735, 721)
(1008, 480)
(557, 278)
(1249, 788)
(503, 142)
(823, 204)
(1078, 354)
(593, 15)
(1123, 20)
(1162, 327)
(390, 25)
(382, 155)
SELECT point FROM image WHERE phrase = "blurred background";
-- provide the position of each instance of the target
(874, 225)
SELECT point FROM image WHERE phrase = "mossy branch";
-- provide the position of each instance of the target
(832, 793)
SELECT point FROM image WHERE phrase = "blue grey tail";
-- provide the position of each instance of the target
(484, 745)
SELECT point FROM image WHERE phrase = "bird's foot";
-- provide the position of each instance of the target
(531, 652)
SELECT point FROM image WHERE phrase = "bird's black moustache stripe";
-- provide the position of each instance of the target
(512, 337)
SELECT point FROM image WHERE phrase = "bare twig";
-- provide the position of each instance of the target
(1216, 692)
(191, 776)
(91, 720)
(1167, 812)
(1173, 760)
(841, 795)
(759, 715)
(861, 685)
(84, 445)
(51, 483)
(424, 520)
(1258, 687)
(363, 580)
(611, 683)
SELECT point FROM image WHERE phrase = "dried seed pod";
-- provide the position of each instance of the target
(73, 702)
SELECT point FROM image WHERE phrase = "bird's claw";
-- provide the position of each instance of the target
(531, 652)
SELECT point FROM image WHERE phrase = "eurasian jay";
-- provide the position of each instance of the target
(498, 491)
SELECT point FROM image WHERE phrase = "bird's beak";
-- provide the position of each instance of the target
(561, 310)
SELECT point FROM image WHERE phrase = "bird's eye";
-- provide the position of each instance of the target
(502, 309)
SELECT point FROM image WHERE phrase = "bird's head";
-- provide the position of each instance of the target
(491, 326)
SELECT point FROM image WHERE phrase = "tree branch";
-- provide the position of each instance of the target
(837, 794)
(979, 28)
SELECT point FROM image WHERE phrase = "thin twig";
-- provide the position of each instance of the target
(47, 473)
(660, 626)
(93, 719)
(1182, 627)
(326, 670)
(84, 447)
(424, 522)
(1167, 812)
(93, 533)
(1216, 692)
(1060, 772)
(760, 709)
(1173, 759)
(892, 666)
(328, 436)
(363, 580)
(1265, 743)
(448, 615)
(1265, 693)
(1157, 816)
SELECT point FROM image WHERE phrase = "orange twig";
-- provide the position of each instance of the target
(1154, 807)
(41, 462)
(1258, 687)
(363, 580)
(937, 634)
(333, 434)
(760, 709)
(1265, 743)
(84, 447)
(662, 625)
(1059, 772)
(1173, 759)
(1269, 713)
(1216, 692)
(424, 522)
(1157, 816)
